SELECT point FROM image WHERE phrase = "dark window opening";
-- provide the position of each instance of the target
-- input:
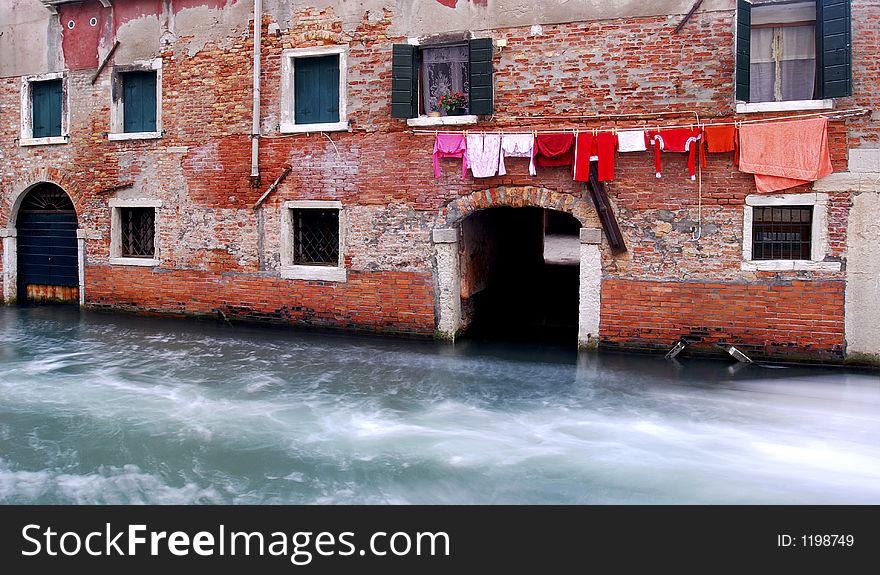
(316, 237)
(782, 233)
(138, 232)
(46, 108)
(316, 89)
(139, 102)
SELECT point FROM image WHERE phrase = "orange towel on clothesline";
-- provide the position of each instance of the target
(719, 139)
(785, 154)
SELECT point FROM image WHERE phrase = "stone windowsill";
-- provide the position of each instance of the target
(142, 262)
(426, 121)
(790, 106)
(122, 136)
(286, 128)
(314, 273)
(789, 265)
(43, 141)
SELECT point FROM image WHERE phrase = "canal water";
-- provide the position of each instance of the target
(99, 408)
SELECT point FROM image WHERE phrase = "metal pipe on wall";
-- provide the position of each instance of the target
(255, 130)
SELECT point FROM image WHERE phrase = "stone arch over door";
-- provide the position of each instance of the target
(447, 265)
(9, 232)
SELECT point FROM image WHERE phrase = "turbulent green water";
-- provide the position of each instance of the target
(100, 408)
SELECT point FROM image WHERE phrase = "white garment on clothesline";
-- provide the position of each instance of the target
(517, 146)
(631, 141)
(483, 151)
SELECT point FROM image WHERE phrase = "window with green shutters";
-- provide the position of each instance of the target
(791, 51)
(416, 85)
(316, 89)
(139, 101)
(46, 108)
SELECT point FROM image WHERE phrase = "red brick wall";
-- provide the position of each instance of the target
(392, 302)
(792, 318)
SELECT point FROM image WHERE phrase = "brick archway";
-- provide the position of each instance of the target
(517, 197)
(447, 264)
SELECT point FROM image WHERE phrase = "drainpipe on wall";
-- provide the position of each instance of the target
(255, 130)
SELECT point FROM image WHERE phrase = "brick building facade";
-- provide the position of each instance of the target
(224, 233)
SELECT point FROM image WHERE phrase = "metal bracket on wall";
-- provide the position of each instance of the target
(606, 214)
(274, 185)
(105, 61)
(688, 16)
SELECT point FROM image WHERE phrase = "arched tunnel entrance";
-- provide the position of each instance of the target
(520, 274)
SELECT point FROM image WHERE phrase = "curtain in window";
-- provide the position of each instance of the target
(444, 70)
(783, 63)
(762, 73)
(797, 62)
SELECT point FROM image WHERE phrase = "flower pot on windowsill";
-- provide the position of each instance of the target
(455, 112)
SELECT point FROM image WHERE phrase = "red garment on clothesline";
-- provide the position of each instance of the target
(554, 149)
(601, 146)
(675, 140)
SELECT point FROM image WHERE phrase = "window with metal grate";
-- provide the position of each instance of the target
(138, 232)
(315, 236)
(782, 233)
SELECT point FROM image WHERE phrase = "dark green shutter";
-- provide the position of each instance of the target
(404, 81)
(743, 48)
(316, 89)
(46, 108)
(139, 102)
(833, 48)
(480, 99)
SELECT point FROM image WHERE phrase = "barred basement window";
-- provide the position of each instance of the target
(138, 232)
(782, 233)
(315, 236)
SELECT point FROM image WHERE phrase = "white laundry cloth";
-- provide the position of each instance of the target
(483, 151)
(517, 146)
(631, 141)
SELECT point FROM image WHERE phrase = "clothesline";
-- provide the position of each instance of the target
(835, 115)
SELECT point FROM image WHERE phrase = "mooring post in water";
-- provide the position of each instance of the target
(682, 343)
(735, 353)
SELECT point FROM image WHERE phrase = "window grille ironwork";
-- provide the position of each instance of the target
(138, 231)
(782, 233)
(316, 236)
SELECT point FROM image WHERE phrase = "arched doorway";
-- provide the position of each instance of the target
(47, 261)
(519, 274)
(503, 233)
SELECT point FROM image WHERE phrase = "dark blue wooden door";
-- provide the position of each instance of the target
(47, 250)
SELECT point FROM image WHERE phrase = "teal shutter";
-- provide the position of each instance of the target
(316, 89)
(743, 48)
(46, 108)
(481, 96)
(139, 102)
(404, 81)
(833, 48)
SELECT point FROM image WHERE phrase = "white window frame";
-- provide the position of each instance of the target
(117, 104)
(116, 206)
(288, 117)
(818, 233)
(311, 272)
(26, 137)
